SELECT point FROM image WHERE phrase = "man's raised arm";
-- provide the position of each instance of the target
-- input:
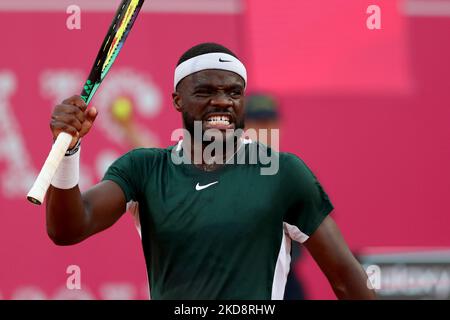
(72, 216)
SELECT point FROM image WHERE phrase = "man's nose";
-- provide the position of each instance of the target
(222, 99)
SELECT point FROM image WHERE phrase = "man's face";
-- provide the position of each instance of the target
(214, 97)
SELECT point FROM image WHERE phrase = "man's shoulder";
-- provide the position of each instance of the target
(145, 152)
(263, 149)
(289, 157)
(155, 153)
(266, 156)
(259, 146)
(290, 162)
(147, 156)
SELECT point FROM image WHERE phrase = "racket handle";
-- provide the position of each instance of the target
(39, 189)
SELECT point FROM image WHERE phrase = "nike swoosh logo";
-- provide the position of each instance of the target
(198, 187)
(222, 60)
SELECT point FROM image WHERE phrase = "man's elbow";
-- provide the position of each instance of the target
(343, 291)
(352, 285)
(62, 240)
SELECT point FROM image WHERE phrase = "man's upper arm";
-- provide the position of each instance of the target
(307, 203)
(328, 247)
(345, 274)
(122, 182)
(105, 204)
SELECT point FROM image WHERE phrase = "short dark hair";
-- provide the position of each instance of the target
(204, 48)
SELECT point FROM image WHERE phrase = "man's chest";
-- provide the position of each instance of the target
(224, 206)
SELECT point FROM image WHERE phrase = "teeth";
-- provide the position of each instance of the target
(219, 120)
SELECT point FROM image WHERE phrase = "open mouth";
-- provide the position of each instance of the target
(219, 121)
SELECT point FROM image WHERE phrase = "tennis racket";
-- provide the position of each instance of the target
(112, 44)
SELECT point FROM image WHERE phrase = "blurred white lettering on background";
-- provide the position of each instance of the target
(18, 174)
(74, 280)
(374, 20)
(73, 22)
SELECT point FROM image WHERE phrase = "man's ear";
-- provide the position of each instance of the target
(176, 100)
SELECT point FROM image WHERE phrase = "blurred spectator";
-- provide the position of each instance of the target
(262, 113)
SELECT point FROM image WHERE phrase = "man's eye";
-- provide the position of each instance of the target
(236, 93)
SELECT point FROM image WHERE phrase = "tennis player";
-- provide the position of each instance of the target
(218, 228)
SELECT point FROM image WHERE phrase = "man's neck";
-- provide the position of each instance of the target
(210, 162)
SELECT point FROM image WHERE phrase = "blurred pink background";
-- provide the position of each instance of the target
(367, 110)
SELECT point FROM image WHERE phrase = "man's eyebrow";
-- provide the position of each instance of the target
(236, 86)
(204, 86)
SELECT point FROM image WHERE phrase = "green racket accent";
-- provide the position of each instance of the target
(90, 91)
(112, 44)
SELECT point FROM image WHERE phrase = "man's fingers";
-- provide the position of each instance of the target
(76, 101)
(67, 119)
(72, 117)
(71, 110)
(58, 127)
(70, 100)
(90, 116)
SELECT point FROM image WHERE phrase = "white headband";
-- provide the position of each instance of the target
(216, 60)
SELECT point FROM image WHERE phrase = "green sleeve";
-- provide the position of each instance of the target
(125, 172)
(308, 204)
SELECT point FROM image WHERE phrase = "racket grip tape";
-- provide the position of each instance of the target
(37, 192)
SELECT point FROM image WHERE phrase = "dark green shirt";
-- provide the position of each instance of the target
(231, 238)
